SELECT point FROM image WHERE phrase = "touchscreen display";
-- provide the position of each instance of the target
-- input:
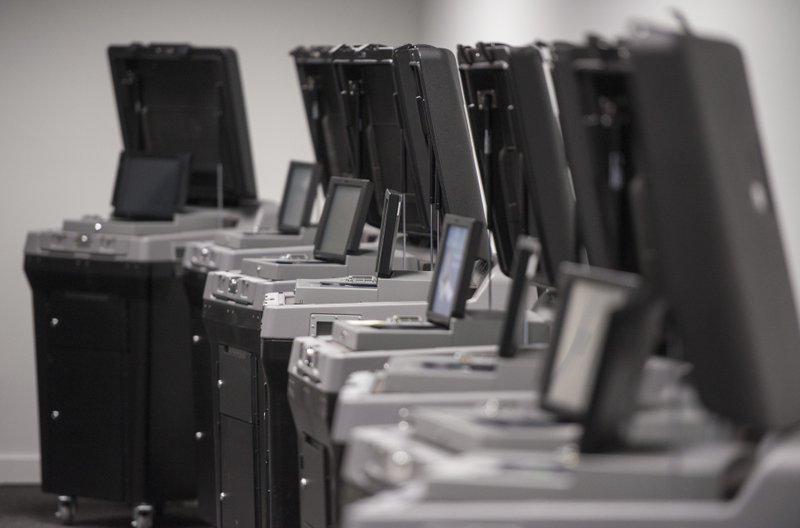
(148, 188)
(450, 268)
(342, 214)
(389, 225)
(578, 351)
(295, 197)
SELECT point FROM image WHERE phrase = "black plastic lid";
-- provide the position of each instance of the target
(324, 112)
(530, 189)
(177, 99)
(366, 86)
(591, 86)
(432, 105)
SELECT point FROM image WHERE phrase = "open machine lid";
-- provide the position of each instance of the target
(432, 106)
(366, 84)
(520, 149)
(178, 99)
(721, 259)
(326, 120)
(343, 218)
(591, 85)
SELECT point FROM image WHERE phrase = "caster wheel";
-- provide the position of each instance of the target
(65, 509)
(142, 516)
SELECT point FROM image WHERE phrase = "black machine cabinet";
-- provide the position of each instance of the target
(194, 281)
(319, 455)
(252, 419)
(114, 405)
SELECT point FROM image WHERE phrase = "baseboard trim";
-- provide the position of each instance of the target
(20, 468)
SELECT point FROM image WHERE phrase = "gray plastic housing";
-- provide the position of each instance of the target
(284, 318)
(230, 247)
(767, 498)
(473, 415)
(242, 290)
(514, 460)
(95, 237)
(402, 286)
(236, 239)
(481, 324)
(279, 269)
(206, 256)
(471, 369)
(473, 329)
(326, 364)
(261, 276)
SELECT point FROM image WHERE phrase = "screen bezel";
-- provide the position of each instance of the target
(634, 332)
(525, 248)
(358, 219)
(308, 202)
(470, 253)
(181, 191)
(390, 223)
(570, 275)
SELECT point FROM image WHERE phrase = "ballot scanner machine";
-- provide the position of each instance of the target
(111, 316)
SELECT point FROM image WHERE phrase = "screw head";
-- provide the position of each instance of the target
(491, 408)
(54, 415)
(303, 482)
(401, 458)
(569, 456)
(54, 322)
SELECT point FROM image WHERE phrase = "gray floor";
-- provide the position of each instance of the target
(28, 507)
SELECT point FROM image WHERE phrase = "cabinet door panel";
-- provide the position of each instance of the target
(237, 467)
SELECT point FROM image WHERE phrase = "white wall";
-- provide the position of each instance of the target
(767, 32)
(60, 139)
